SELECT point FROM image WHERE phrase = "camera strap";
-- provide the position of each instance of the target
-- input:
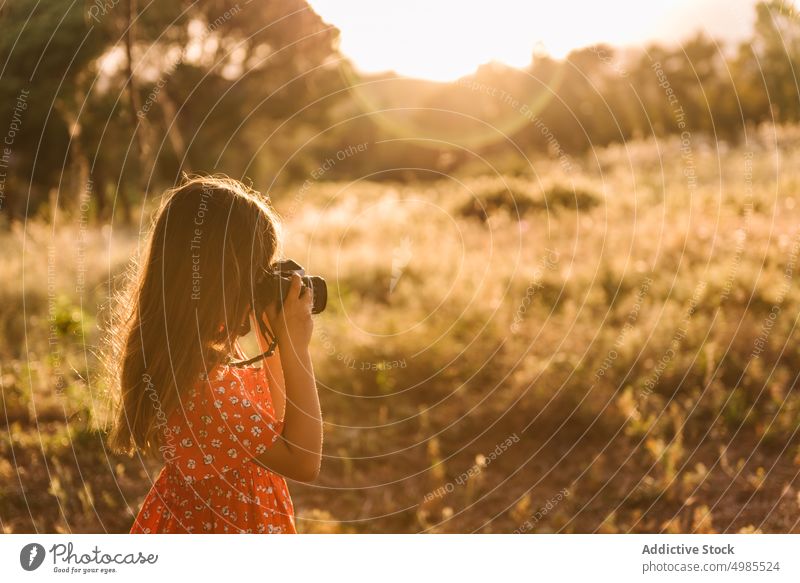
(273, 344)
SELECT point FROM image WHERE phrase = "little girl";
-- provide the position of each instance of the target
(228, 434)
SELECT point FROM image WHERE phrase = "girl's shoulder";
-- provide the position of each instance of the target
(227, 384)
(248, 378)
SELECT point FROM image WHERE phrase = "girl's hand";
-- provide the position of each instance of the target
(293, 325)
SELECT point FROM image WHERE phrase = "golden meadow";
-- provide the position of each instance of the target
(632, 321)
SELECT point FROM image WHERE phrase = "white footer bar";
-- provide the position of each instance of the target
(402, 558)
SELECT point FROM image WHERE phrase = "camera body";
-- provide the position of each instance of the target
(275, 284)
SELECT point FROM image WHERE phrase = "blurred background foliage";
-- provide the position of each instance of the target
(130, 94)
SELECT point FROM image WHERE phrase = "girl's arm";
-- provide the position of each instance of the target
(274, 373)
(298, 452)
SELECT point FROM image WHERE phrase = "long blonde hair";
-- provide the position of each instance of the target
(186, 303)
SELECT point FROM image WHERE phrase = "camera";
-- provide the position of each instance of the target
(275, 284)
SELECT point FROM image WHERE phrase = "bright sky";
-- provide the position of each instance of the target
(446, 39)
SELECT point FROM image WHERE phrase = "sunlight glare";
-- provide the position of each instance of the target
(446, 39)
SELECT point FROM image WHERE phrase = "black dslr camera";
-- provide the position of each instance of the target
(275, 284)
(273, 287)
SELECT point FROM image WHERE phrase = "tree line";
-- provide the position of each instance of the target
(105, 103)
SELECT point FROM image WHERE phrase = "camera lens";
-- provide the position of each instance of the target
(320, 291)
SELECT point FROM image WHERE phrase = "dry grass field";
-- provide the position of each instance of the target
(612, 349)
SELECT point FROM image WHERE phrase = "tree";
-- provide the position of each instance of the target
(776, 46)
(46, 49)
(130, 94)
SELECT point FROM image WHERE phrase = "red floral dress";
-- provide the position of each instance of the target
(211, 484)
